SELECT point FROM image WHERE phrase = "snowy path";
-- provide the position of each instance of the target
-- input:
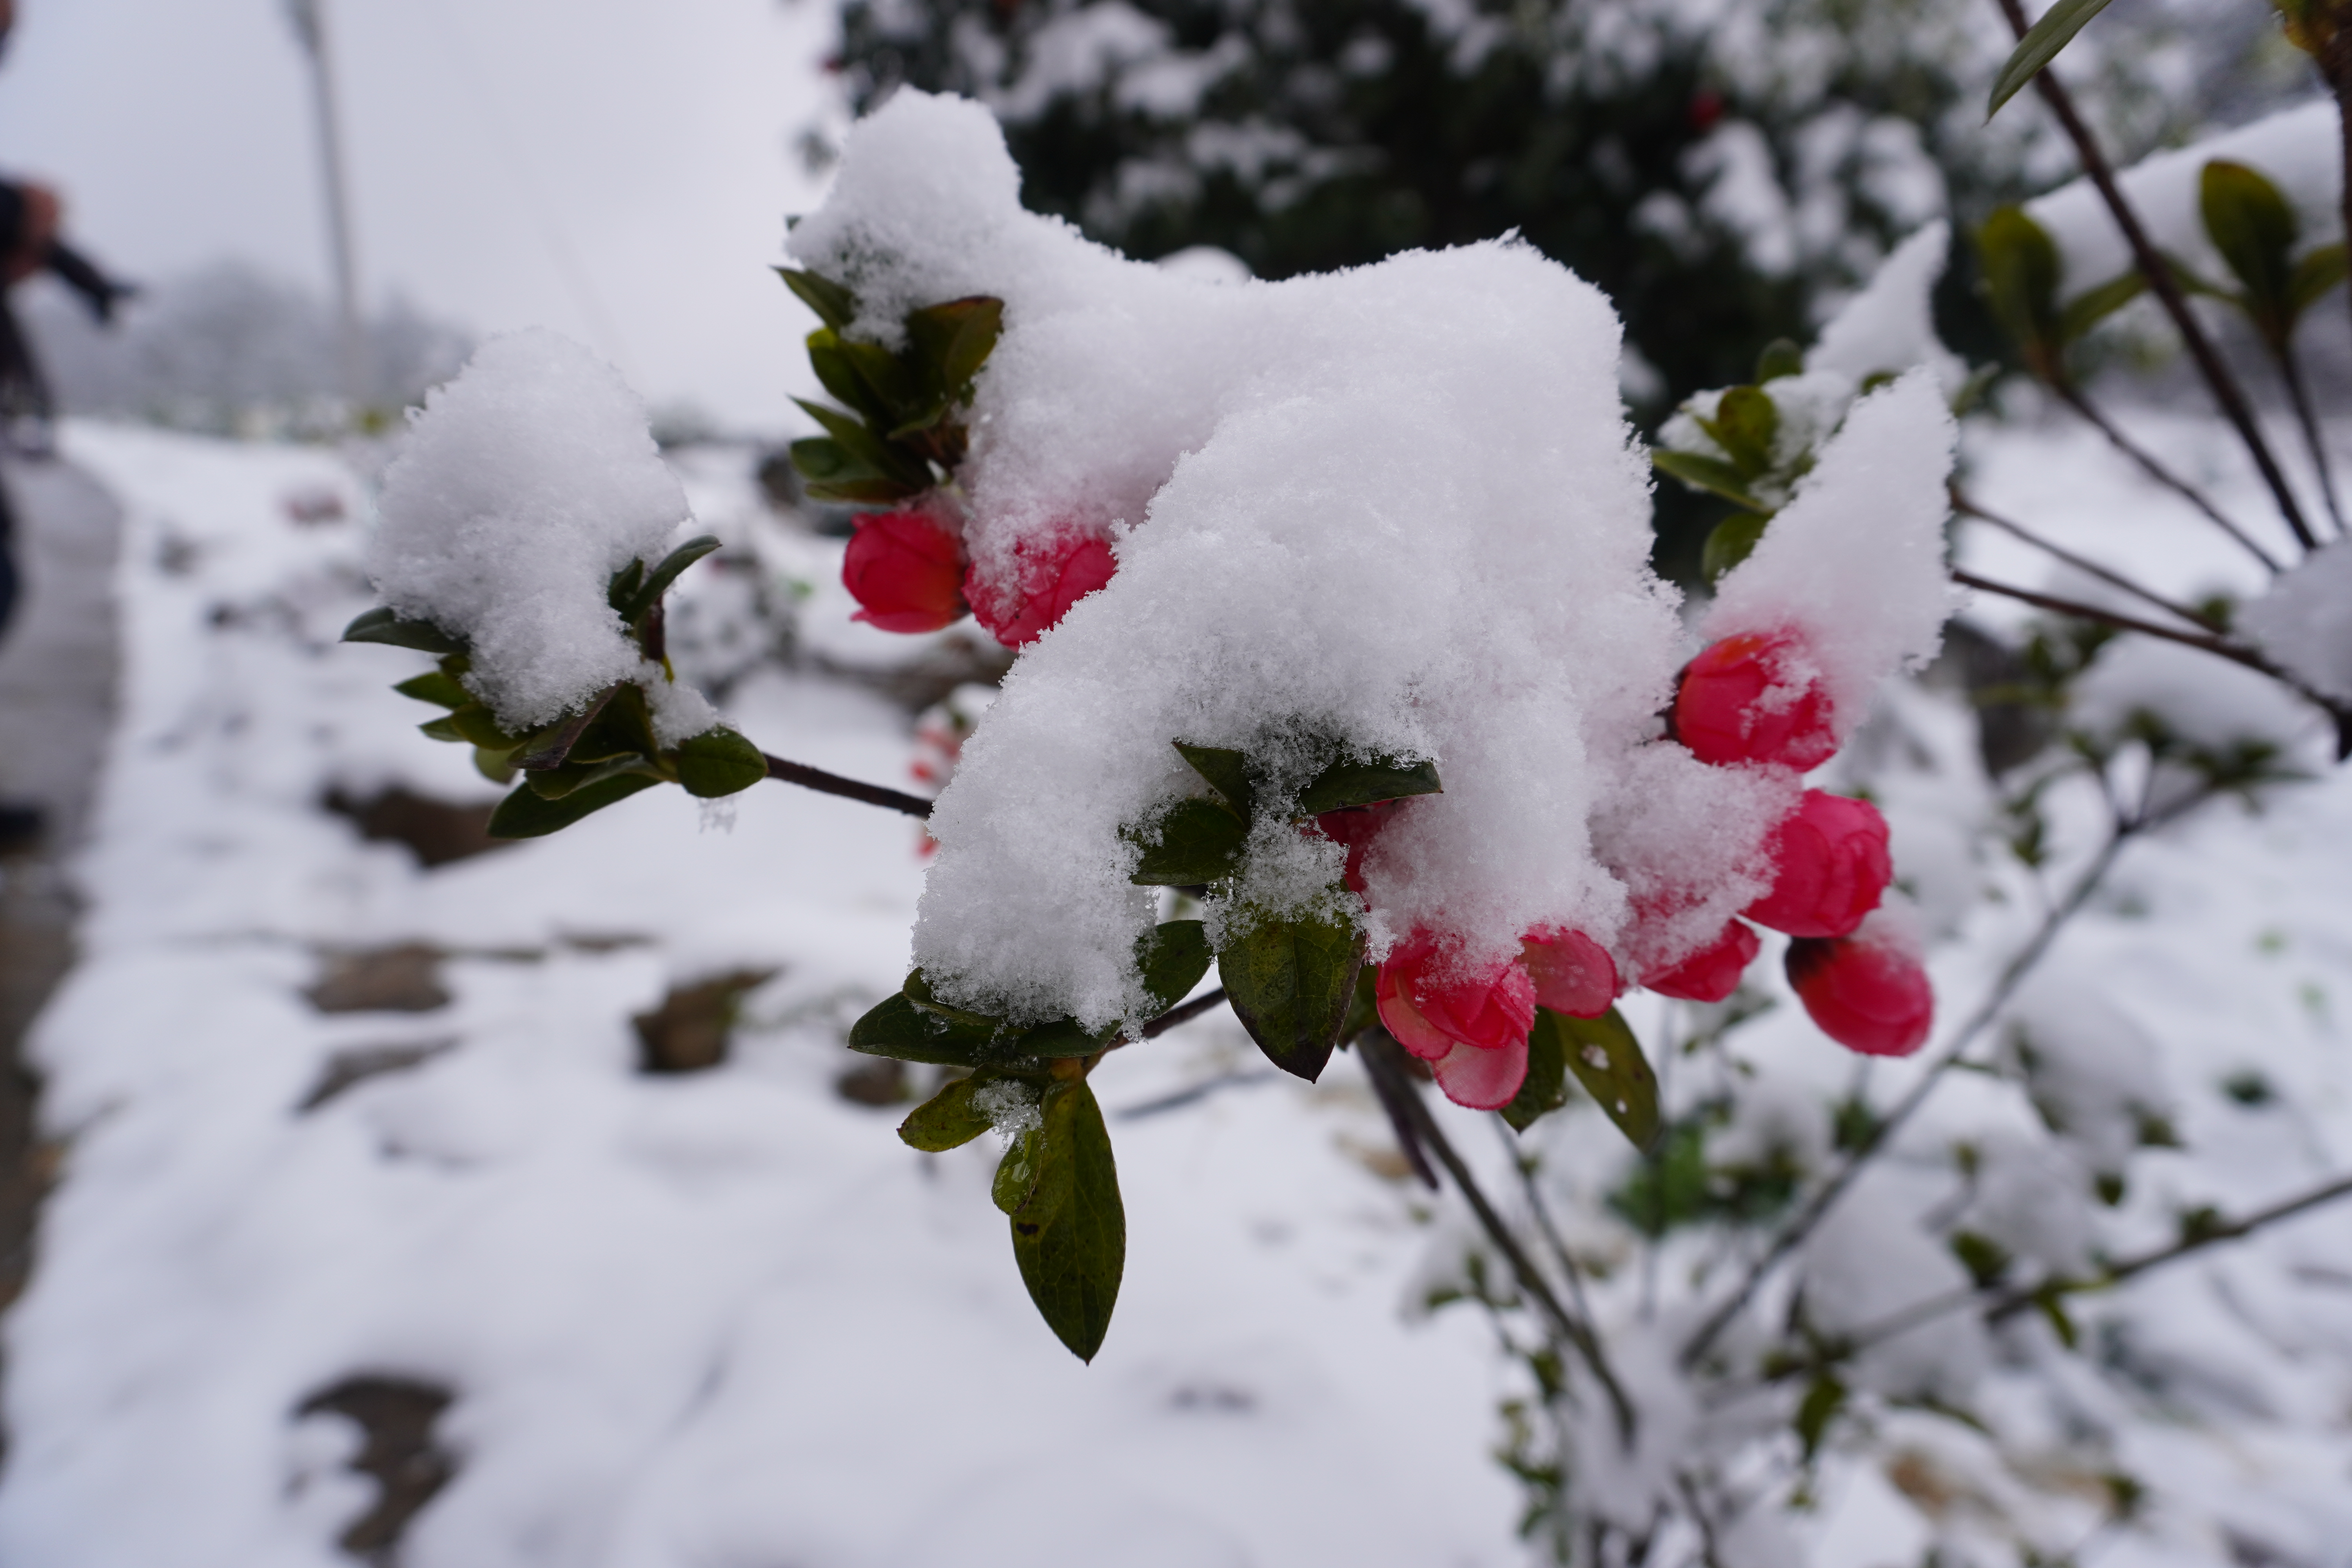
(57, 709)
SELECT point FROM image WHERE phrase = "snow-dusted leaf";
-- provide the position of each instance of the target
(1703, 473)
(719, 762)
(1195, 841)
(1172, 958)
(1608, 1061)
(1226, 770)
(948, 1120)
(835, 306)
(1291, 982)
(897, 1028)
(656, 582)
(385, 626)
(1071, 1261)
(1367, 782)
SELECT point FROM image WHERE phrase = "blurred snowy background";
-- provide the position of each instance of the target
(424, 1201)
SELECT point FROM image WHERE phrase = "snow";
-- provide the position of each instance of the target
(522, 487)
(1890, 326)
(2304, 623)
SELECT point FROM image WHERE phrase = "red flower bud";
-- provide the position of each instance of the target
(1867, 990)
(1749, 700)
(1711, 974)
(1356, 827)
(906, 569)
(1572, 974)
(1429, 1005)
(1049, 575)
(1480, 1079)
(1830, 868)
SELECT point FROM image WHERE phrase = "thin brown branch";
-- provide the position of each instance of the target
(1967, 507)
(1379, 1055)
(1185, 1014)
(2167, 289)
(824, 782)
(2299, 394)
(2073, 398)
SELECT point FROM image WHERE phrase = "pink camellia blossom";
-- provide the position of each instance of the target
(1481, 1078)
(1713, 971)
(1868, 992)
(1751, 699)
(1572, 973)
(1831, 867)
(906, 572)
(1471, 1025)
(1049, 575)
(1356, 827)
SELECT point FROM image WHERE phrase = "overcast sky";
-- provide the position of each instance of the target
(616, 169)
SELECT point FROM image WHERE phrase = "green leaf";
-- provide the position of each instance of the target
(719, 762)
(1062, 1037)
(1172, 957)
(1291, 982)
(891, 387)
(839, 376)
(2315, 275)
(1703, 473)
(382, 624)
(554, 783)
(1367, 782)
(1226, 770)
(1746, 420)
(866, 449)
(948, 1120)
(1034, 1179)
(2039, 47)
(1730, 542)
(2088, 309)
(1194, 841)
(1545, 1089)
(1821, 1405)
(1071, 1262)
(442, 729)
(495, 766)
(1780, 357)
(434, 687)
(526, 814)
(1985, 1258)
(657, 582)
(2250, 224)
(953, 341)
(835, 306)
(1607, 1060)
(2049, 1301)
(623, 586)
(898, 1029)
(918, 990)
(1363, 1006)
(2020, 266)
(477, 724)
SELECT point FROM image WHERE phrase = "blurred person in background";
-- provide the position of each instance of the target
(31, 218)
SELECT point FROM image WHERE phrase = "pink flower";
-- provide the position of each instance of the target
(1830, 868)
(1867, 992)
(1049, 575)
(1356, 827)
(1747, 699)
(906, 571)
(1572, 974)
(1711, 974)
(1429, 1004)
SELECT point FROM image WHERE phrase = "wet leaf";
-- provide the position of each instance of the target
(1367, 782)
(948, 1120)
(719, 762)
(1545, 1089)
(1607, 1060)
(897, 1028)
(835, 306)
(1291, 982)
(1172, 957)
(526, 814)
(1071, 1261)
(1226, 770)
(656, 582)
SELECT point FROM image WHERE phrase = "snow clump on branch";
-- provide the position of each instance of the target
(1395, 512)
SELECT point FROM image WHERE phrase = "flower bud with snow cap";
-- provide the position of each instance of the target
(1831, 867)
(904, 569)
(1868, 992)
(1755, 698)
(1046, 576)
(1470, 1024)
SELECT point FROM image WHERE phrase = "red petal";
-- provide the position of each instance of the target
(1830, 865)
(1403, 1020)
(1482, 1077)
(1868, 996)
(1713, 973)
(1572, 973)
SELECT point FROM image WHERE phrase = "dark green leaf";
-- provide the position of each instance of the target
(1291, 982)
(1194, 841)
(2250, 224)
(866, 449)
(441, 728)
(1821, 1403)
(381, 624)
(719, 762)
(2020, 268)
(2039, 47)
(890, 386)
(2049, 1301)
(839, 376)
(1072, 1263)
(1062, 1037)
(495, 766)
(948, 1120)
(1226, 770)
(554, 783)
(657, 582)
(835, 306)
(623, 586)
(1780, 357)
(1705, 473)
(918, 990)
(1364, 1006)
(1172, 957)
(1607, 1060)
(1730, 542)
(897, 1028)
(953, 341)
(526, 815)
(1034, 1178)
(1545, 1089)
(1984, 1259)
(1745, 422)
(476, 723)
(441, 690)
(2087, 311)
(1367, 782)
(2315, 275)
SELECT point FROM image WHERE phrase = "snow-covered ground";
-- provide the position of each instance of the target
(725, 1318)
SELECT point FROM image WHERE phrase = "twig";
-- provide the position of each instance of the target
(824, 782)
(2167, 289)
(1380, 1059)
(2076, 400)
(2291, 372)
(1185, 1014)
(1794, 1234)
(1542, 1212)
(1962, 504)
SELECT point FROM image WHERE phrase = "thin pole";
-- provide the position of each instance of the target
(309, 21)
